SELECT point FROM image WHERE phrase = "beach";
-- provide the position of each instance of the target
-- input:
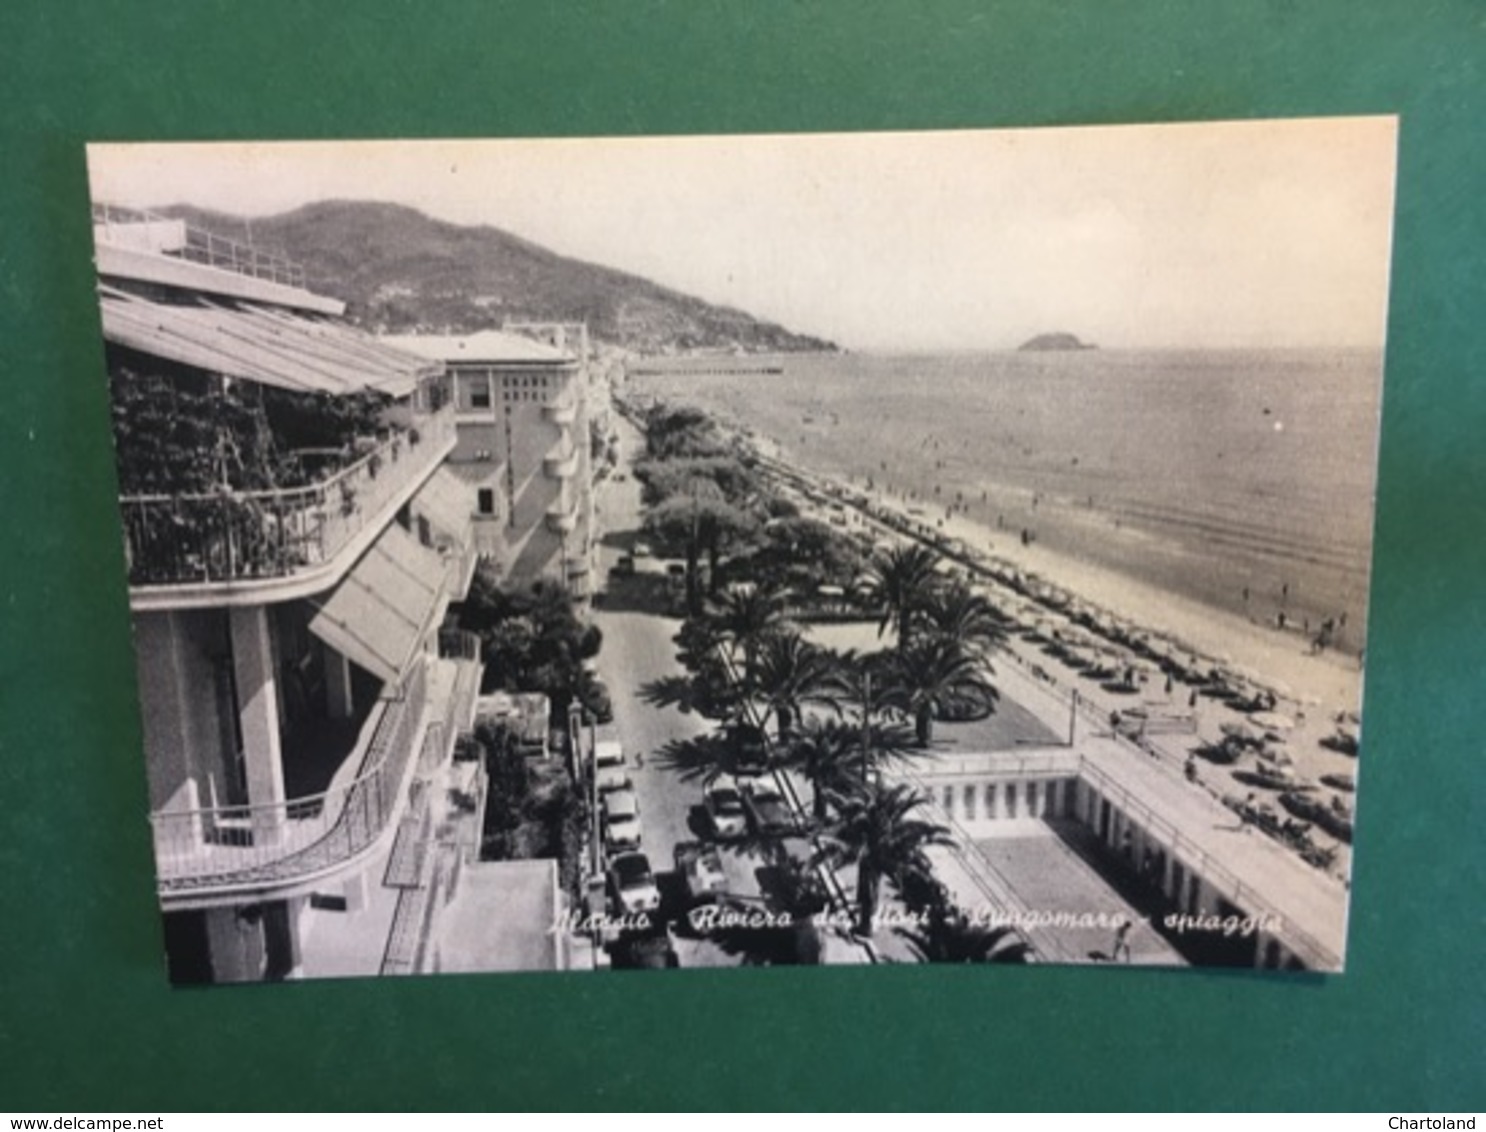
(1242, 481)
(1315, 688)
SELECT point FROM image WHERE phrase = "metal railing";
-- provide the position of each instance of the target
(1058, 762)
(196, 245)
(279, 842)
(232, 536)
(998, 892)
(1201, 862)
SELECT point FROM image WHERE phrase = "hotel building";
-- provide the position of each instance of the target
(522, 447)
(298, 698)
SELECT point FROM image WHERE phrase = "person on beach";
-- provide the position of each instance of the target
(1121, 942)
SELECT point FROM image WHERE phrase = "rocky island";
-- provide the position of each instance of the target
(1056, 341)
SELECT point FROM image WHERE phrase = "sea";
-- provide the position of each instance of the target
(1242, 478)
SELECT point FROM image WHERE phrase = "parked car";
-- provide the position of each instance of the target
(632, 884)
(723, 802)
(623, 566)
(653, 952)
(640, 550)
(609, 763)
(700, 869)
(614, 777)
(749, 747)
(621, 821)
(593, 694)
(769, 813)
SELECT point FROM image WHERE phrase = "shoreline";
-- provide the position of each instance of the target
(1330, 681)
(1274, 530)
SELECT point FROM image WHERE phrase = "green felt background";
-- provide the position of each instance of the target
(86, 1019)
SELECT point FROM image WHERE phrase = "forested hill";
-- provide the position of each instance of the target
(400, 271)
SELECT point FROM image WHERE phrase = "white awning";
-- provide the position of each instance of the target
(275, 348)
(381, 610)
(448, 505)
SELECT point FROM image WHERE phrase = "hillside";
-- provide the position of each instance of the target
(400, 271)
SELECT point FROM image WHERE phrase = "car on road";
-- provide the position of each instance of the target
(624, 566)
(614, 777)
(723, 802)
(640, 550)
(632, 884)
(594, 696)
(769, 813)
(750, 750)
(621, 821)
(700, 869)
(610, 768)
(652, 948)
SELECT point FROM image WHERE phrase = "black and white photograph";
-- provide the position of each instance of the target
(806, 549)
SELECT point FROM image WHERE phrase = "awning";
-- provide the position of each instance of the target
(445, 501)
(271, 347)
(379, 613)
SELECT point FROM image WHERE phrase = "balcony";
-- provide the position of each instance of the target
(560, 466)
(221, 850)
(562, 518)
(563, 411)
(181, 547)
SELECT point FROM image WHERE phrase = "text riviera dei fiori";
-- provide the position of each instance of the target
(714, 917)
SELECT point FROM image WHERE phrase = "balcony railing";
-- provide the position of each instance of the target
(278, 843)
(563, 411)
(562, 518)
(561, 465)
(183, 241)
(235, 536)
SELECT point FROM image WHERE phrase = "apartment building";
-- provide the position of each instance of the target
(522, 447)
(293, 538)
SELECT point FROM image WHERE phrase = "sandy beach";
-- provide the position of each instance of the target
(1314, 688)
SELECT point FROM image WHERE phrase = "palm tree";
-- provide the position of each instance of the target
(949, 936)
(934, 674)
(792, 672)
(829, 754)
(957, 613)
(900, 581)
(865, 683)
(877, 832)
(746, 616)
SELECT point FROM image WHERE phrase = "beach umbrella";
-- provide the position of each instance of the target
(1241, 732)
(1273, 721)
(1276, 753)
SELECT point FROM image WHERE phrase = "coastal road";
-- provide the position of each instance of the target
(638, 651)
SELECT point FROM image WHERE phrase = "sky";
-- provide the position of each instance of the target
(1237, 234)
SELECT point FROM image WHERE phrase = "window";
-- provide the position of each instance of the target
(486, 501)
(991, 801)
(949, 801)
(970, 803)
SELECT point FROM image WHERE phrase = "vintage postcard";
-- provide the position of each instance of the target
(942, 547)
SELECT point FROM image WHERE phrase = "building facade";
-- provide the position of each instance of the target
(293, 538)
(522, 447)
